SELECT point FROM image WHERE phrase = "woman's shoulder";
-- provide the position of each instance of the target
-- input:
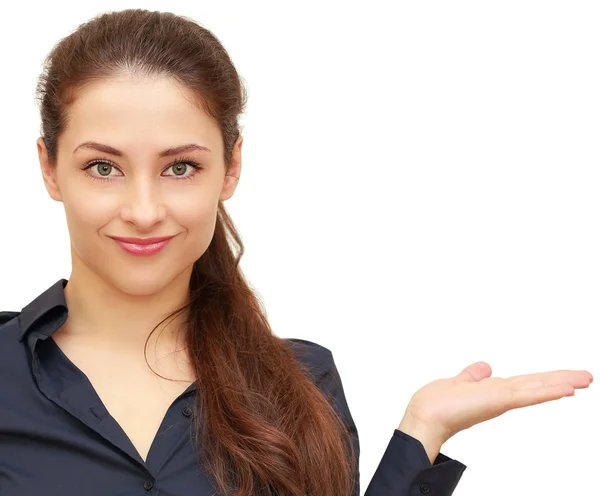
(313, 355)
(9, 330)
(6, 317)
(305, 346)
(12, 351)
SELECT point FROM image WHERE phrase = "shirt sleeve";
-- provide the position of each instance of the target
(404, 469)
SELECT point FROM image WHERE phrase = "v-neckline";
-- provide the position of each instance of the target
(99, 412)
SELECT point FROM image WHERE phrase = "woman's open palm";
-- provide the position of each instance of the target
(473, 396)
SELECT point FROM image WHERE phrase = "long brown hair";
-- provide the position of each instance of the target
(263, 424)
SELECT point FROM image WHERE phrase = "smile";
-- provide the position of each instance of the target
(143, 247)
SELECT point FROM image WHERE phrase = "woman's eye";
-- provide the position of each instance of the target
(104, 169)
(180, 169)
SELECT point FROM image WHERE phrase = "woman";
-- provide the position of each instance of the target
(153, 370)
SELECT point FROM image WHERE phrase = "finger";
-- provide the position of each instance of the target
(551, 372)
(534, 396)
(475, 372)
(577, 378)
(574, 382)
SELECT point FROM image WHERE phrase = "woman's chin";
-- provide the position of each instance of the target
(146, 282)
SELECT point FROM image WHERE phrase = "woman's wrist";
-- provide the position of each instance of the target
(431, 441)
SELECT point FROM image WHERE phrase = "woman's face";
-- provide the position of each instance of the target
(130, 181)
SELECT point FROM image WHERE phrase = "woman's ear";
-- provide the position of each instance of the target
(48, 171)
(233, 174)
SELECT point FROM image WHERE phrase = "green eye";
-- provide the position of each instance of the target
(104, 169)
(179, 169)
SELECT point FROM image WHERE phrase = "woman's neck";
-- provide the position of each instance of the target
(106, 313)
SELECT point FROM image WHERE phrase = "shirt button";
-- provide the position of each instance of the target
(187, 411)
(149, 484)
(425, 489)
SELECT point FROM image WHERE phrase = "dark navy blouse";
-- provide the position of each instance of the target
(58, 439)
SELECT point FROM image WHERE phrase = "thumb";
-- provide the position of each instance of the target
(475, 372)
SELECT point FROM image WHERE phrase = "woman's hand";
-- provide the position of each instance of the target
(444, 407)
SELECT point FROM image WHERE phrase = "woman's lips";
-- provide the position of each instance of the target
(142, 246)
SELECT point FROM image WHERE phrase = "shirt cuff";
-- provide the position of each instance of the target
(405, 465)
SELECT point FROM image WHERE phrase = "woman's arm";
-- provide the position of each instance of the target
(405, 467)
(412, 463)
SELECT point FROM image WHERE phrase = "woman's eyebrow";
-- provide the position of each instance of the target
(118, 153)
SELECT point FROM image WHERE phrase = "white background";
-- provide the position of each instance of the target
(420, 190)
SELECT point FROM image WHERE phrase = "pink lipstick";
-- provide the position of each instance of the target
(142, 247)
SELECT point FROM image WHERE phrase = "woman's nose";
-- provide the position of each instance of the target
(144, 206)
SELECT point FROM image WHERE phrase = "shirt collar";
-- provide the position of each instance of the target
(46, 313)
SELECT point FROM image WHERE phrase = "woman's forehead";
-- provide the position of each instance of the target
(153, 112)
(160, 97)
